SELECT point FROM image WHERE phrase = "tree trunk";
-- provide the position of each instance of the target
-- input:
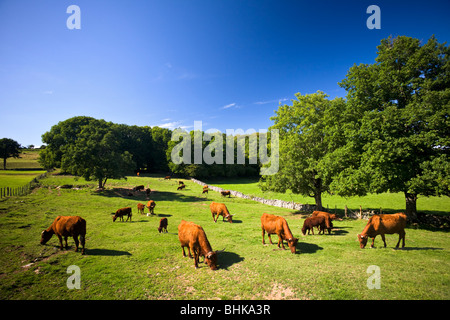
(101, 183)
(411, 207)
(318, 199)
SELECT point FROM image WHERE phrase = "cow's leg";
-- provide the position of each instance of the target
(82, 240)
(65, 240)
(280, 241)
(60, 242)
(263, 235)
(184, 253)
(270, 239)
(384, 239)
(312, 230)
(373, 241)
(196, 256)
(401, 236)
(75, 239)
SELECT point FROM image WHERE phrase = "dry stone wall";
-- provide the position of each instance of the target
(270, 202)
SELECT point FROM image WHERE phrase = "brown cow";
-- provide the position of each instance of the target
(163, 225)
(273, 224)
(181, 187)
(194, 238)
(151, 206)
(220, 209)
(62, 226)
(328, 218)
(140, 208)
(205, 189)
(138, 188)
(311, 222)
(167, 177)
(122, 212)
(225, 193)
(148, 191)
(381, 224)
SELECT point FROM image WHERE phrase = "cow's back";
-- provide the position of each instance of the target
(271, 223)
(69, 225)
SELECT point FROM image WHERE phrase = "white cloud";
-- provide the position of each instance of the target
(229, 106)
(271, 101)
(48, 92)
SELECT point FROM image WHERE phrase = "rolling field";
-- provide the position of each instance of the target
(131, 260)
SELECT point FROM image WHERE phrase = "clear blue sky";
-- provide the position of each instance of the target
(227, 63)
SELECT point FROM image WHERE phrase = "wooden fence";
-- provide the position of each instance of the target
(23, 190)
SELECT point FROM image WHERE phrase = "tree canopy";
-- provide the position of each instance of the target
(9, 148)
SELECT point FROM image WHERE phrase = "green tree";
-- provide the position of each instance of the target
(8, 148)
(304, 143)
(89, 148)
(400, 109)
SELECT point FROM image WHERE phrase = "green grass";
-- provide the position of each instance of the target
(388, 202)
(27, 160)
(133, 261)
(17, 178)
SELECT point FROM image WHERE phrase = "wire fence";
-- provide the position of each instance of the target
(22, 190)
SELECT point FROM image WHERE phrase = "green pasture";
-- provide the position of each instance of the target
(17, 178)
(388, 202)
(131, 260)
(27, 161)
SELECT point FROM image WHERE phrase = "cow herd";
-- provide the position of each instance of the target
(193, 237)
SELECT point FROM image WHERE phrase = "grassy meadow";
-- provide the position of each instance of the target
(131, 260)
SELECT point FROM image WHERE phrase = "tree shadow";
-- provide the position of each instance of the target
(106, 252)
(141, 196)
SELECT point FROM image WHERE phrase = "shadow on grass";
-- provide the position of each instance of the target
(106, 252)
(308, 247)
(141, 196)
(227, 259)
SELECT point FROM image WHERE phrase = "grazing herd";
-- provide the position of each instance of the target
(193, 237)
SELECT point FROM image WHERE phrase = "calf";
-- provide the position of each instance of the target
(138, 188)
(273, 224)
(220, 209)
(122, 212)
(62, 226)
(328, 218)
(225, 193)
(193, 237)
(312, 222)
(140, 208)
(381, 224)
(163, 225)
(151, 206)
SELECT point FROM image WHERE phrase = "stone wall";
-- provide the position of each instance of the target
(270, 202)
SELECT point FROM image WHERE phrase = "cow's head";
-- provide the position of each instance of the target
(362, 240)
(45, 236)
(211, 259)
(292, 244)
(229, 218)
(114, 217)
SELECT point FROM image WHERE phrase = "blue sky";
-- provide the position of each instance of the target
(226, 63)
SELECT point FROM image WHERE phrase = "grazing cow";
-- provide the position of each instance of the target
(205, 189)
(194, 238)
(167, 177)
(220, 209)
(311, 222)
(225, 193)
(122, 212)
(148, 191)
(328, 218)
(381, 224)
(181, 187)
(273, 224)
(163, 225)
(62, 226)
(180, 182)
(140, 208)
(138, 188)
(151, 206)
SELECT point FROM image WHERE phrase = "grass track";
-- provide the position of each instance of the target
(133, 261)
